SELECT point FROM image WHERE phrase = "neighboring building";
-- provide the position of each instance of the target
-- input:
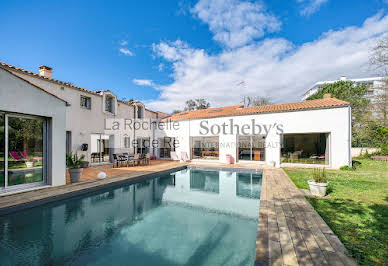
(374, 90)
(316, 132)
(32, 133)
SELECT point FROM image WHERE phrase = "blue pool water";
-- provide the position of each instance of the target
(189, 217)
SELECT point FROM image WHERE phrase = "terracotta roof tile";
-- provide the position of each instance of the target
(274, 108)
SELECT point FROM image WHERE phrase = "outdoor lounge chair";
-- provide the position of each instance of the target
(184, 156)
(15, 156)
(173, 156)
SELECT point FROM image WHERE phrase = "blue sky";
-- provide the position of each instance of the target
(165, 52)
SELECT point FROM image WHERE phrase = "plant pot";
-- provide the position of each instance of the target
(75, 174)
(84, 164)
(30, 164)
(317, 189)
(229, 159)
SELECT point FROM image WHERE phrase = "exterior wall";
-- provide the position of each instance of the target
(334, 121)
(83, 122)
(18, 96)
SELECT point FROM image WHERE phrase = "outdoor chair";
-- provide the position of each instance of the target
(135, 159)
(117, 159)
(147, 158)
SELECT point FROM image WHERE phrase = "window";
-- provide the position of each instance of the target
(109, 104)
(205, 148)
(126, 142)
(305, 148)
(251, 148)
(140, 112)
(86, 102)
(143, 145)
(166, 146)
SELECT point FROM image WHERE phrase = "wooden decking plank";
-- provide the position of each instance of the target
(333, 258)
(313, 248)
(289, 255)
(275, 253)
(302, 253)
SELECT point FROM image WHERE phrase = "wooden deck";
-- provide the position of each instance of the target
(290, 231)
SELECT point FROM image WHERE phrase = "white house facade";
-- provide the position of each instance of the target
(86, 114)
(62, 117)
(312, 133)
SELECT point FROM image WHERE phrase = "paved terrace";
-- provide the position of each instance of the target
(290, 231)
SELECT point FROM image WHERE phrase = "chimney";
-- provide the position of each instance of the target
(326, 96)
(45, 71)
(343, 78)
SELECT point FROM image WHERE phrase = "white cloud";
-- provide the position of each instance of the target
(235, 23)
(143, 82)
(126, 51)
(273, 67)
(123, 42)
(309, 7)
(160, 67)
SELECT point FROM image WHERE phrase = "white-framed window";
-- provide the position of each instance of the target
(86, 102)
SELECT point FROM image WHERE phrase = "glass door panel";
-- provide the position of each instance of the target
(2, 149)
(25, 150)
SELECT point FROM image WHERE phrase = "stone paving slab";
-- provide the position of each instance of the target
(290, 231)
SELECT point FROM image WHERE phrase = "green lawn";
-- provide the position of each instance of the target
(357, 210)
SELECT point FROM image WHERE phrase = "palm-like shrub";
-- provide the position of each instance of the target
(73, 161)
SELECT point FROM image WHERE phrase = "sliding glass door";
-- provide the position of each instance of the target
(22, 150)
(2, 148)
(251, 148)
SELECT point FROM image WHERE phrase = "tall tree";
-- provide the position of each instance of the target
(355, 95)
(347, 91)
(196, 104)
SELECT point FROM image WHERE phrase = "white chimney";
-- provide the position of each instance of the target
(343, 78)
(45, 71)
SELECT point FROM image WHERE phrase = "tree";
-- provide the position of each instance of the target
(250, 101)
(355, 95)
(176, 112)
(196, 104)
(347, 91)
(380, 104)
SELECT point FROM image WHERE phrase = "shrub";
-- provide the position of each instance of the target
(319, 175)
(346, 168)
(74, 161)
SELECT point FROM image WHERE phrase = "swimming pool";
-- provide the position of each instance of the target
(194, 216)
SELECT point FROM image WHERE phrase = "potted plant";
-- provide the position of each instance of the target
(229, 159)
(73, 162)
(84, 164)
(30, 162)
(318, 185)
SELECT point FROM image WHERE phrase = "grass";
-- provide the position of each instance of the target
(357, 210)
